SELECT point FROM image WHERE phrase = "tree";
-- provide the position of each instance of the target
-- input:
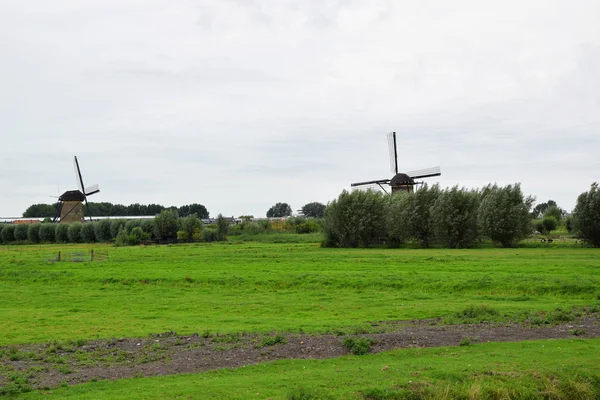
(454, 217)
(222, 228)
(8, 233)
(74, 232)
(397, 217)
(102, 230)
(40, 211)
(165, 225)
(355, 219)
(279, 210)
(21, 232)
(88, 232)
(61, 233)
(47, 232)
(33, 233)
(549, 224)
(504, 215)
(554, 211)
(586, 215)
(314, 209)
(190, 228)
(198, 209)
(417, 214)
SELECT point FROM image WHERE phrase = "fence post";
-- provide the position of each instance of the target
(92, 251)
(59, 255)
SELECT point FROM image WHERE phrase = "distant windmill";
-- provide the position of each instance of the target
(400, 182)
(70, 203)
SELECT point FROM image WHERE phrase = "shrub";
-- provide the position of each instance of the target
(21, 232)
(308, 226)
(136, 236)
(74, 232)
(88, 232)
(250, 228)
(222, 228)
(8, 234)
(549, 224)
(554, 211)
(132, 223)
(102, 230)
(418, 223)
(586, 215)
(454, 217)
(210, 235)
(504, 214)
(165, 225)
(33, 233)
(61, 233)
(538, 225)
(355, 219)
(47, 232)
(115, 227)
(569, 224)
(190, 228)
(121, 238)
(358, 346)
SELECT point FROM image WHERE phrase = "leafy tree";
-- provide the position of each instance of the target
(355, 219)
(61, 233)
(198, 209)
(538, 225)
(279, 210)
(147, 226)
(418, 214)
(222, 227)
(397, 217)
(33, 233)
(8, 233)
(88, 232)
(115, 227)
(102, 230)
(74, 232)
(314, 209)
(132, 223)
(569, 224)
(40, 211)
(47, 232)
(165, 225)
(586, 215)
(504, 214)
(549, 223)
(21, 232)
(454, 217)
(554, 211)
(190, 228)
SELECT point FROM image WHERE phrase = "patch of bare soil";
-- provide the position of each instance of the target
(51, 364)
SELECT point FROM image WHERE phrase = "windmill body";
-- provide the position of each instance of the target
(400, 182)
(71, 203)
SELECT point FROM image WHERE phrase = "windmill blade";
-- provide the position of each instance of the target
(425, 173)
(376, 187)
(393, 152)
(78, 175)
(376, 182)
(90, 190)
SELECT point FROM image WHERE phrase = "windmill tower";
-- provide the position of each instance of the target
(400, 182)
(70, 203)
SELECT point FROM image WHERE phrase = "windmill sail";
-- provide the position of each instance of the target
(393, 152)
(425, 173)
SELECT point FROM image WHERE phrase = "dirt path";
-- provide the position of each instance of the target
(48, 365)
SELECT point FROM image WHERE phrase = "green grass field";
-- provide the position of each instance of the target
(297, 286)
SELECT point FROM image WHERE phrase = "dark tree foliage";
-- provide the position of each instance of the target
(165, 225)
(21, 232)
(88, 232)
(33, 233)
(355, 219)
(61, 233)
(47, 232)
(8, 233)
(554, 211)
(102, 230)
(454, 217)
(586, 215)
(279, 210)
(222, 227)
(115, 226)
(504, 215)
(549, 224)
(104, 209)
(314, 209)
(74, 232)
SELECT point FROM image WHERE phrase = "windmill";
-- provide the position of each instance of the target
(70, 203)
(400, 182)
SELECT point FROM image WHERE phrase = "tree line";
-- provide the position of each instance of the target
(104, 209)
(453, 218)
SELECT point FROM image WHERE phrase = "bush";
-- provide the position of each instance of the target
(121, 238)
(454, 217)
(549, 224)
(102, 230)
(586, 215)
(115, 227)
(165, 225)
(21, 232)
(504, 214)
(222, 228)
(554, 211)
(355, 219)
(47, 232)
(418, 214)
(8, 234)
(210, 235)
(61, 233)
(538, 225)
(74, 232)
(33, 233)
(250, 228)
(88, 232)
(190, 228)
(308, 226)
(147, 226)
(358, 346)
(132, 223)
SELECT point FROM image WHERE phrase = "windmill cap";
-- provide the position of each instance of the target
(72, 195)
(401, 179)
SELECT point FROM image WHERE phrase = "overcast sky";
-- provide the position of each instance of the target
(240, 104)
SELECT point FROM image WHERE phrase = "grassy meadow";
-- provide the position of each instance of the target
(297, 286)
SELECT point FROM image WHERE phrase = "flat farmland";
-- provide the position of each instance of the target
(269, 320)
(258, 287)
